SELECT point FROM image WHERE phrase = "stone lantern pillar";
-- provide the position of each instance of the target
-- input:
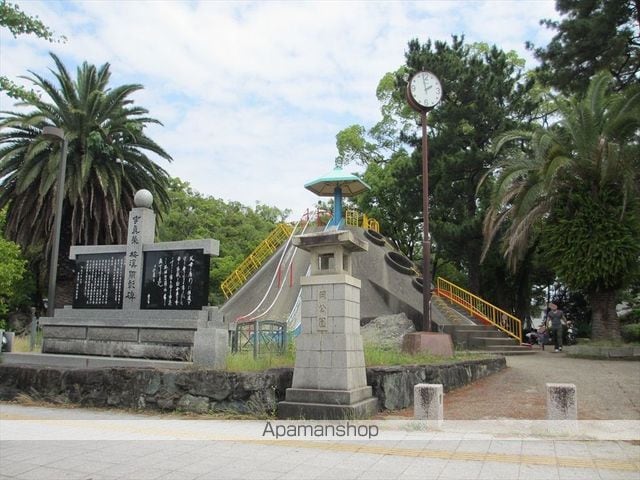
(329, 378)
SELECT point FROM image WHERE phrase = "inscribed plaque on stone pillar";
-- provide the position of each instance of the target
(141, 230)
(323, 324)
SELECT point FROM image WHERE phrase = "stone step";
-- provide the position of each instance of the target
(510, 348)
(483, 333)
(494, 341)
(506, 353)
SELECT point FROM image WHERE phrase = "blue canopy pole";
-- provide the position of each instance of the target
(337, 207)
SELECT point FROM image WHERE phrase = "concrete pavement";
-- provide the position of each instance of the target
(492, 430)
(78, 444)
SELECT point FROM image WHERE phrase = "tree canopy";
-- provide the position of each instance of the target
(107, 160)
(573, 186)
(486, 92)
(592, 35)
(19, 23)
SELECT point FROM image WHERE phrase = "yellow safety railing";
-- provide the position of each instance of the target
(480, 308)
(254, 261)
(357, 219)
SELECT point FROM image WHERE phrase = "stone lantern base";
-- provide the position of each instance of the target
(328, 404)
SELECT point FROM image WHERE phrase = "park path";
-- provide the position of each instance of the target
(606, 389)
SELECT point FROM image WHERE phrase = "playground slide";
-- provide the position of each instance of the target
(385, 290)
(271, 293)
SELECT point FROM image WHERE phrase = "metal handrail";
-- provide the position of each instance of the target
(255, 259)
(480, 308)
(357, 219)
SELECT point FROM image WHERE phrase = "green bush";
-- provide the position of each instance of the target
(632, 316)
(631, 332)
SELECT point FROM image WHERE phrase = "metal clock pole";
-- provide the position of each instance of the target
(426, 241)
(424, 91)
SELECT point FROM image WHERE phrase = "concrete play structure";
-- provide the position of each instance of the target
(391, 284)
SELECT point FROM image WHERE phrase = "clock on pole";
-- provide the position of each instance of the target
(424, 92)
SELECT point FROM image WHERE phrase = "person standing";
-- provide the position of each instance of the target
(554, 317)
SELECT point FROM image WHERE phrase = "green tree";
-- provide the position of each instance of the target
(19, 23)
(592, 35)
(238, 228)
(107, 163)
(574, 188)
(395, 201)
(486, 92)
(12, 271)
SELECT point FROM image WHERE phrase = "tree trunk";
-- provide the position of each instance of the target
(604, 319)
(473, 262)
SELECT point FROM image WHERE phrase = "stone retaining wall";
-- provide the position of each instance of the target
(212, 390)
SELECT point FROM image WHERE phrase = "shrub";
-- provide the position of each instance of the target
(631, 332)
(632, 316)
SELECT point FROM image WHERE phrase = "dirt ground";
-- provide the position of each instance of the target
(606, 390)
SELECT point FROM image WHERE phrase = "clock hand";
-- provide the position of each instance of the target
(424, 82)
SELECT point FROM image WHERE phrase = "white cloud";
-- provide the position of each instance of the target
(252, 94)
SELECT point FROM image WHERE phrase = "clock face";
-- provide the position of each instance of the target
(425, 89)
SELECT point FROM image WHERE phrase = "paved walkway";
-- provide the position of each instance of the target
(80, 444)
(606, 389)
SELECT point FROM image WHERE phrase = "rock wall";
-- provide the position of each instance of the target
(202, 391)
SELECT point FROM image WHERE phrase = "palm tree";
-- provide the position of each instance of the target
(561, 186)
(107, 162)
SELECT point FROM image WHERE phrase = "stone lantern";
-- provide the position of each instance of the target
(329, 378)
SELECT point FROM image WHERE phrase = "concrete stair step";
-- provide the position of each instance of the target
(492, 342)
(507, 353)
(484, 333)
(511, 348)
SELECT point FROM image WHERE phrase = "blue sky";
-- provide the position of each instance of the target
(252, 94)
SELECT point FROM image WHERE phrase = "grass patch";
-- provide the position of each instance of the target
(373, 356)
(23, 343)
(244, 361)
(377, 356)
(606, 343)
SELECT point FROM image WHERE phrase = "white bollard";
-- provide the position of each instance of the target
(562, 401)
(427, 402)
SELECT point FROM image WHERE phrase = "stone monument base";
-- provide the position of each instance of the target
(177, 335)
(429, 342)
(320, 404)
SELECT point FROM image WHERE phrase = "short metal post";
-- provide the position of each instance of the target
(256, 349)
(34, 330)
(285, 344)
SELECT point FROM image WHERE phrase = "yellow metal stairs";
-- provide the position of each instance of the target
(494, 329)
(256, 259)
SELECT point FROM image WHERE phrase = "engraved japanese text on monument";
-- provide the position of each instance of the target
(175, 280)
(323, 319)
(99, 281)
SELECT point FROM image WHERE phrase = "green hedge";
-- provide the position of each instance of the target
(631, 332)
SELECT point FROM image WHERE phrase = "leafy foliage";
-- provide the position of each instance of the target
(591, 243)
(631, 332)
(395, 201)
(13, 271)
(106, 160)
(593, 35)
(574, 185)
(19, 23)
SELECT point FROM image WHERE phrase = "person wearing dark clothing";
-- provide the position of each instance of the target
(554, 318)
